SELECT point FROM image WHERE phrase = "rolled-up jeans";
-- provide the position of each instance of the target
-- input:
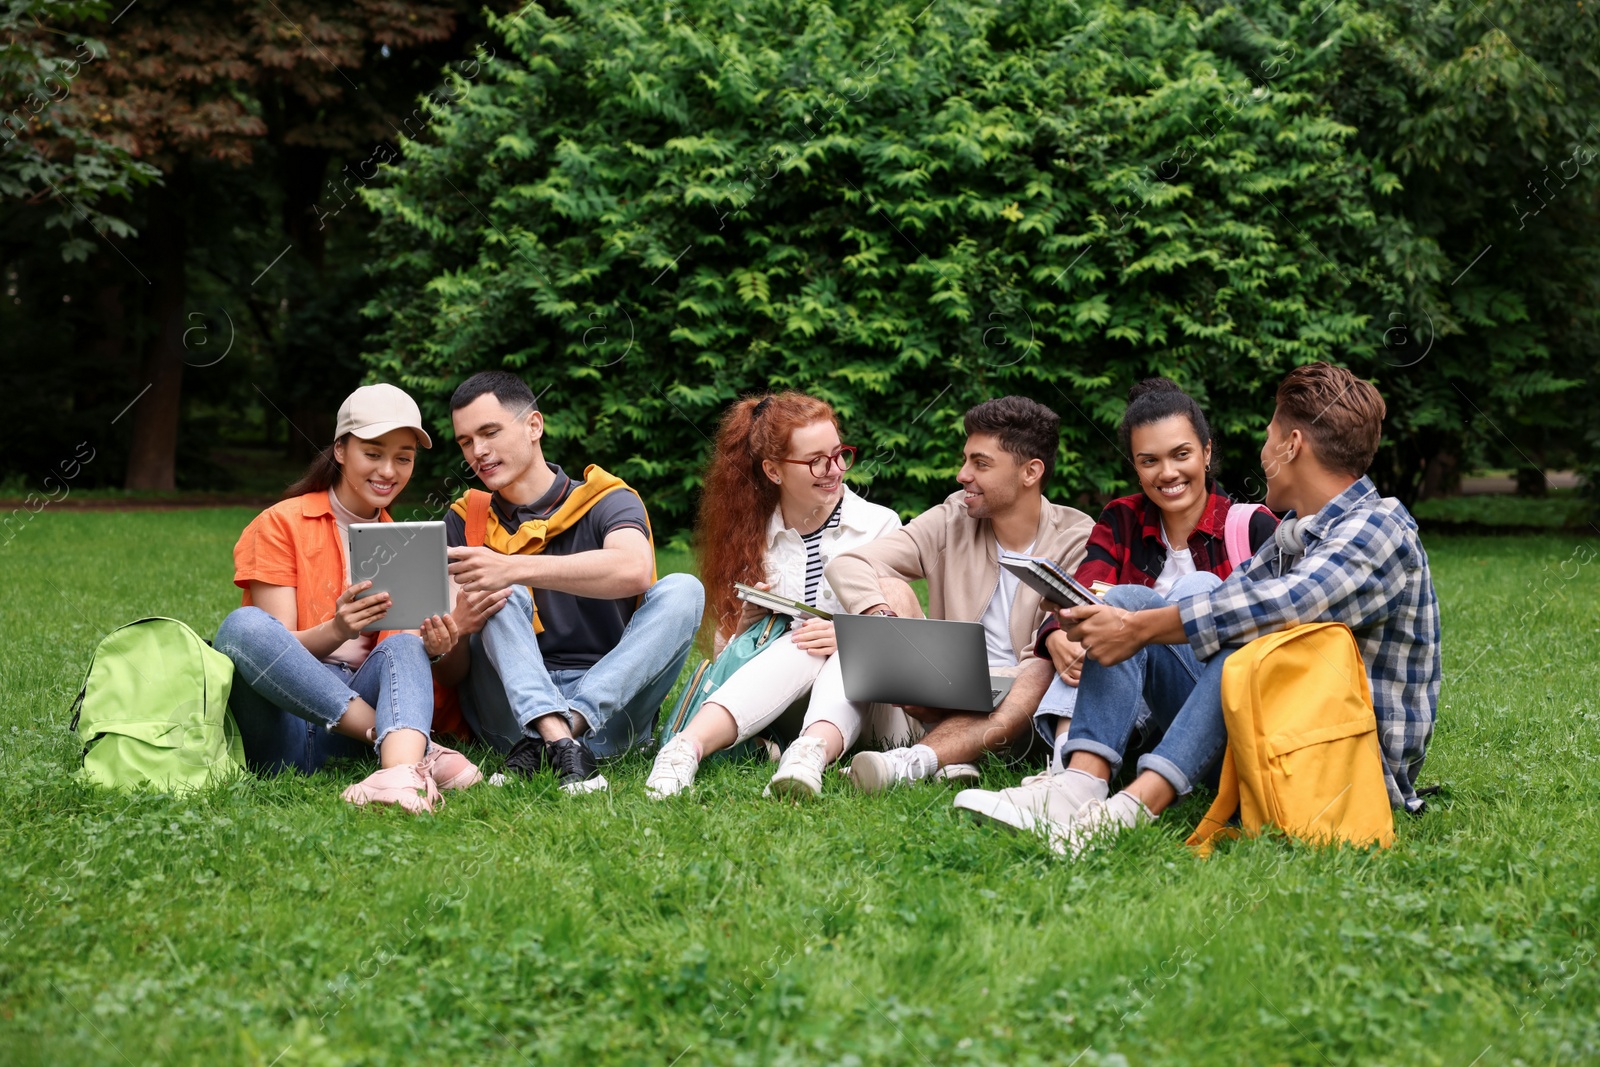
(286, 701)
(1164, 689)
(508, 686)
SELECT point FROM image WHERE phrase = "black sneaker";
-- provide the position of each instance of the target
(575, 766)
(529, 757)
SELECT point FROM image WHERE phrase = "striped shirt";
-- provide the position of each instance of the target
(813, 543)
(1363, 566)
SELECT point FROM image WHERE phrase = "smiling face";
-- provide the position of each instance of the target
(1170, 463)
(800, 491)
(499, 445)
(993, 479)
(374, 471)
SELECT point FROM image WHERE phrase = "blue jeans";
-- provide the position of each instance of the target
(1164, 689)
(286, 701)
(508, 685)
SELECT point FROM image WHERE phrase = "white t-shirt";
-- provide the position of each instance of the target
(1180, 561)
(996, 617)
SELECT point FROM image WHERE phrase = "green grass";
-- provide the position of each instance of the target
(267, 922)
(1561, 508)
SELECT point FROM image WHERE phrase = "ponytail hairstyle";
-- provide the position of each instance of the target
(1155, 399)
(323, 473)
(737, 497)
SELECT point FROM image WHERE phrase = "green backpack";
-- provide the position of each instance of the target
(153, 710)
(712, 673)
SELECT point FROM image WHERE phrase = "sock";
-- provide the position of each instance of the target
(924, 761)
(1061, 757)
(1101, 787)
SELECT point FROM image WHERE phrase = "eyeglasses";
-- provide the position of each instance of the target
(844, 456)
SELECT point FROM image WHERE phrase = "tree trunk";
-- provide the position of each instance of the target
(152, 458)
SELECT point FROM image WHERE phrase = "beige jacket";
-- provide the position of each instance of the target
(958, 556)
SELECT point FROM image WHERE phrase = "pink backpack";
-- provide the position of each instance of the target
(1236, 533)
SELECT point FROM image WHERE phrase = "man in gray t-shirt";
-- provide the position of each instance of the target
(573, 643)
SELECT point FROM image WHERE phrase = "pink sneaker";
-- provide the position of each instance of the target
(407, 785)
(448, 768)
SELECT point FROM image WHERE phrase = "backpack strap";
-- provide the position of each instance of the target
(1236, 533)
(477, 517)
(1214, 823)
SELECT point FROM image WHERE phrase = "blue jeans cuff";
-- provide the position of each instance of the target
(1105, 752)
(1168, 770)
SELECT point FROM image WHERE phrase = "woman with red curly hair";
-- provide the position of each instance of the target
(773, 512)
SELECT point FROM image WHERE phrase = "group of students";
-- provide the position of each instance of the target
(563, 643)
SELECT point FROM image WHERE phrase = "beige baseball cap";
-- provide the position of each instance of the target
(373, 410)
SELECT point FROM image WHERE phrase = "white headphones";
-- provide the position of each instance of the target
(1291, 542)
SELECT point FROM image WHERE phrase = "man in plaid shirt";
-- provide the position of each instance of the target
(1353, 558)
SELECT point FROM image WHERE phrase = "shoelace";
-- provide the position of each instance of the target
(1036, 779)
(527, 757)
(679, 759)
(569, 761)
(809, 749)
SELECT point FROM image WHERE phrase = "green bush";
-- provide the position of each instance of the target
(649, 211)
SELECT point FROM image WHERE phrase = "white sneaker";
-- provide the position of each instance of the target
(1041, 800)
(958, 774)
(875, 771)
(799, 774)
(1099, 823)
(674, 769)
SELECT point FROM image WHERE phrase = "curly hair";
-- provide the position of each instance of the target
(737, 497)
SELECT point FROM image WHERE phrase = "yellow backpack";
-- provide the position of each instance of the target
(1302, 742)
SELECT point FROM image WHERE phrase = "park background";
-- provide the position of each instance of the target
(220, 218)
(216, 219)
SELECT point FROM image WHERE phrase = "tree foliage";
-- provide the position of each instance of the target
(651, 212)
(257, 119)
(53, 149)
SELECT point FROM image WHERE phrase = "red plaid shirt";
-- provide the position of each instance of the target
(1126, 546)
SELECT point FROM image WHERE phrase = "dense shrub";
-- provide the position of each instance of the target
(651, 209)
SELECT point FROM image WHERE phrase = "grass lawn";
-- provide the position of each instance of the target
(269, 923)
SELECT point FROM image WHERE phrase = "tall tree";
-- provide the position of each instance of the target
(188, 86)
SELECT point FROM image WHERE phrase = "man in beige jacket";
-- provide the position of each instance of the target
(1009, 455)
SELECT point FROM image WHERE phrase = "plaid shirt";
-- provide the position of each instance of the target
(1363, 566)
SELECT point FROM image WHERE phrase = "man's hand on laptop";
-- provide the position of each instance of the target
(925, 715)
(482, 570)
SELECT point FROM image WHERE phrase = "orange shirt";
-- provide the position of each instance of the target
(295, 542)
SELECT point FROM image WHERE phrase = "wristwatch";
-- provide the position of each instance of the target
(434, 661)
(886, 611)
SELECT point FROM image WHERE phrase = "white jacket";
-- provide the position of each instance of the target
(860, 522)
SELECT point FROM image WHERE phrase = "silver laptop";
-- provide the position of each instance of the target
(407, 561)
(931, 662)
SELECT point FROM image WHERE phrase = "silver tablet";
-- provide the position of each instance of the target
(407, 561)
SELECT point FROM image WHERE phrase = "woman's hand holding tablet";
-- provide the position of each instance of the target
(353, 612)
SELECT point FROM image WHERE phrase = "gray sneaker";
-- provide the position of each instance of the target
(674, 770)
(1042, 801)
(962, 774)
(1099, 824)
(799, 774)
(873, 772)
